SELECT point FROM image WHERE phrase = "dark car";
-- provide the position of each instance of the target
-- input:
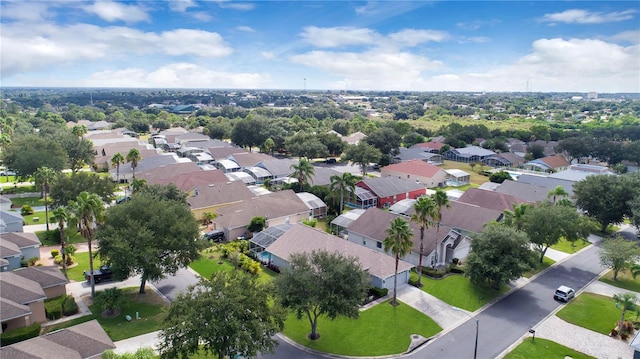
(216, 235)
(103, 273)
(330, 160)
(123, 199)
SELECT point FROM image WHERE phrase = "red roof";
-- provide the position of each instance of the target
(555, 161)
(414, 167)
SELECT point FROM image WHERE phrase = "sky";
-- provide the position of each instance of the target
(492, 46)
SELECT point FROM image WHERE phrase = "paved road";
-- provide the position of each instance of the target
(510, 318)
(172, 285)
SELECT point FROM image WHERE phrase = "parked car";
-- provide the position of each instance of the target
(330, 160)
(215, 235)
(103, 273)
(564, 293)
(5, 172)
(123, 199)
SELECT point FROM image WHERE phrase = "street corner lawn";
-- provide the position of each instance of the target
(76, 273)
(50, 241)
(381, 330)
(594, 312)
(543, 348)
(458, 291)
(625, 280)
(151, 310)
(565, 246)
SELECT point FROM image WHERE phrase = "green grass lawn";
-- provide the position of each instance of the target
(77, 273)
(567, 247)
(458, 291)
(625, 280)
(546, 262)
(474, 179)
(594, 312)
(40, 216)
(150, 306)
(7, 179)
(207, 264)
(73, 238)
(380, 330)
(543, 348)
(31, 201)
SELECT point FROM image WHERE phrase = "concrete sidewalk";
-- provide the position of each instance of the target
(441, 312)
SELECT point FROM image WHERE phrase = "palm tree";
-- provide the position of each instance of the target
(44, 176)
(88, 210)
(62, 216)
(399, 242)
(133, 156)
(346, 182)
(79, 130)
(116, 161)
(559, 191)
(514, 218)
(208, 217)
(441, 200)
(626, 301)
(424, 211)
(303, 171)
(137, 185)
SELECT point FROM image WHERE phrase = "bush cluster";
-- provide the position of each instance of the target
(378, 292)
(20, 334)
(69, 306)
(26, 210)
(243, 261)
(54, 253)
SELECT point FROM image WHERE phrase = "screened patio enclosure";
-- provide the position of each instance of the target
(263, 239)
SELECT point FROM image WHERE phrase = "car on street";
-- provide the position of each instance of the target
(104, 273)
(5, 172)
(564, 293)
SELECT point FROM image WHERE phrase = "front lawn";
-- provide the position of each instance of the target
(36, 218)
(567, 247)
(31, 201)
(73, 238)
(77, 272)
(457, 290)
(543, 348)
(546, 262)
(593, 311)
(625, 280)
(380, 330)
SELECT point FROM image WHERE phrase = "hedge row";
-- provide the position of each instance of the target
(20, 334)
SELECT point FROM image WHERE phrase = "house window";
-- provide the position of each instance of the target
(364, 242)
(379, 244)
(408, 176)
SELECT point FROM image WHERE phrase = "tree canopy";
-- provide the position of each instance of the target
(362, 154)
(498, 255)
(618, 254)
(149, 235)
(322, 284)
(398, 242)
(230, 314)
(65, 188)
(26, 154)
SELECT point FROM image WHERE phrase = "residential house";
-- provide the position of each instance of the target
(83, 341)
(16, 246)
(369, 230)
(317, 207)
(249, 159)
(166, 173)
(227, 166)
(243, 177)
(417, 171)
(211, 197)
(201, 158)
(407, 154)
(187, 181)
(105, 152)
(340, 224)
(280, 168)
(578, 172)
(50, 279)
(5, 203)
(526, 191)
(488, 199)
(322, 176)
(147, 165)
(92, 125)
(277, 207)
(354, 138)
(504, 159)
(547, 182)
(386, 191)
(259, 174)
(520, 148)
(223, 152)
(191, 138)
(456, 177)
(11, 221)
(553, 163)
(303, 239)
(432, 146)
(468, 154)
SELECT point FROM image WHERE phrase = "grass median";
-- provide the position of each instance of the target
(543, 348)
(594, 312)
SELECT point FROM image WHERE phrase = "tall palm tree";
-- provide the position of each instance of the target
(346, 182)
(116, 161)
(514, 218)
(625, 301)
(44, 176)
(441, 200)
(559, 191)
(303, 171)
(424, 211)
(62, 216)
(399, 242)
(88, 210)
(133, 156)
(137, 185)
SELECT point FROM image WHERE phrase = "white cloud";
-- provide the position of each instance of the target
(628, 36)
(202, 16)
(338, 36)
(181, 5)
(26, 11)
(243, 6)
(245, 29)
(113, 11)
(477, 24)
(579, 16)
(412, 37)
(42, 46)
(371, 69)
(268, 55)
(177, 75)
(473, 39)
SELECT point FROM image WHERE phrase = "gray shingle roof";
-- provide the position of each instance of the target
(46, 276)
(10, 310)
(8, 249)
(527, 191)
(219, 193)
(274, 205)
(548, 182)
(19, 289)
(489, 199)
(21, 239)
(389, 186)
(279, 167)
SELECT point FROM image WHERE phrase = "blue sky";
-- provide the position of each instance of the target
(557, 46)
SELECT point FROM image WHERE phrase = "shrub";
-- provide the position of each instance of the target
(310, 222)
(24, 263)
(378, 292)
(32, 261)
(20, 334)
(54, 253)
(26, 210)
(58, 259)
(54, 313)
(455, 261)
(69, 306)
(52, 235)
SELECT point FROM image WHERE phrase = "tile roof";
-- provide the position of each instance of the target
(489, 199)
(389, 186)
(19, 289)
(414, 167)
(304, 239)
(273, 205)
(220, 193)
(374, 222)
(45, 276)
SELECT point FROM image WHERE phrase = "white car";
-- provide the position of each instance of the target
(4, 172)
(564, 293)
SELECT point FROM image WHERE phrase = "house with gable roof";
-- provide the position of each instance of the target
(11, 221)
(553, 163)
(416, 171)
(490, 199)
(383, 192)
(468, 154)
(417, 153)
(211, 197)
(303, 239)
(16, 246)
